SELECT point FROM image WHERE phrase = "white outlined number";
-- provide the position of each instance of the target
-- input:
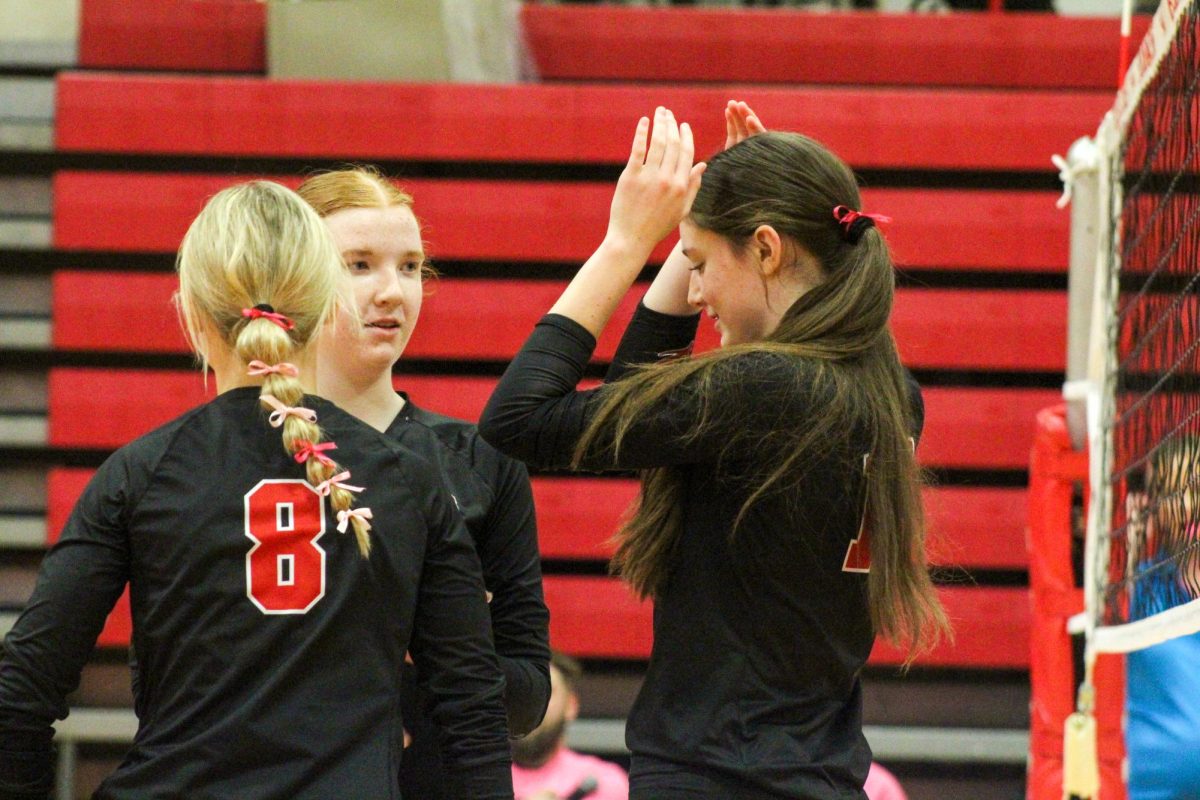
(858, 554)
(285, 569)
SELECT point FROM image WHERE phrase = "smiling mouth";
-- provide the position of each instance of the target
(383, 325)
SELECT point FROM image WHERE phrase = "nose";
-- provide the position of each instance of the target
(387, 288)
(695, 295)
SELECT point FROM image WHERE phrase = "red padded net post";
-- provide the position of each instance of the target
(1055, 475)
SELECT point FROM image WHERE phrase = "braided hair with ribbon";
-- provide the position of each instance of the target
(259, 268)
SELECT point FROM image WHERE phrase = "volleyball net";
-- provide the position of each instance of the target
(1142, 567)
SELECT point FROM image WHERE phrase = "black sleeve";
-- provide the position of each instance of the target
(456, 662)
(520, 621)
(535, 414)
(652, 337)
(79, 582)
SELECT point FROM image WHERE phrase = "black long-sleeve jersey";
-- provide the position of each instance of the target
(492, 491)
(269, 650)
(753, 689)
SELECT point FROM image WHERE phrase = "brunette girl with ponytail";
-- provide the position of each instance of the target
(268, 652)
(779, 527)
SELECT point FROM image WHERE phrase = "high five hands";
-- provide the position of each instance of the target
(658, 184)
(740, 123)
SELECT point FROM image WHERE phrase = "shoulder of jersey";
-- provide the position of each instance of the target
(460, 437)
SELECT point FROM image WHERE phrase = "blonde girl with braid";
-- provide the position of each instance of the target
(269, 647)
(222, 274)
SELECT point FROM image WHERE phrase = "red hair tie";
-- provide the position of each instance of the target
(266, 312)
(854, 223)
(317, 451)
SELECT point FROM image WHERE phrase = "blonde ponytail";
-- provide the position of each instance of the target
(259, 268)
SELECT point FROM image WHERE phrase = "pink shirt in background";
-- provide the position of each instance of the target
(882, 785)
(563, 773)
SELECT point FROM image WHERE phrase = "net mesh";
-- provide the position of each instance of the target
(1148, 553)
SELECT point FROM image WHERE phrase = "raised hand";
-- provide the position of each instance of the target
(658, 184)
(740, 123)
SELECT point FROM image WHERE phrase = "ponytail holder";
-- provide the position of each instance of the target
(309, 450)
(284, 368)
(325, 488)
(282, 412)
(855, 223)
(265, 311)
(344, 518)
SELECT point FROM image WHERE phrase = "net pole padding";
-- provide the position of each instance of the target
(1080, 174)
(1057, 469)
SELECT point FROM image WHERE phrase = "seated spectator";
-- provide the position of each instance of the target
(882, 785)
(544, 768)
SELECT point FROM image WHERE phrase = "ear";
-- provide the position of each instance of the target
(768, 246)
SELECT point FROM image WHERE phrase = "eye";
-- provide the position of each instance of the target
(358, 266)
(697, 268)
(409, 267)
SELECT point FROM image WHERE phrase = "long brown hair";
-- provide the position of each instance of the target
(840, 330)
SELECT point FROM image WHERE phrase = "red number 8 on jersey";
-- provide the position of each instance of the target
(285, 569)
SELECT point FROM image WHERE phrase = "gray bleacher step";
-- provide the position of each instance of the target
(26, 99)
(51, 54)
(26, 531)
(26, 113)
(23, 430)
(26, 136)
(24, 333)
(24, 234)
(23, 196)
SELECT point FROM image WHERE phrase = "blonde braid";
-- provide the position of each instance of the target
(259, 243)
(263, 340)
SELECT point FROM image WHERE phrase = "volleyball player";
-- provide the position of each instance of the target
(273, 593)
(375, 229)
(779, 526)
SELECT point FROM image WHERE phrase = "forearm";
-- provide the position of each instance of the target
(526, 693)
(596, 290)
(668, 294)
(535, 414)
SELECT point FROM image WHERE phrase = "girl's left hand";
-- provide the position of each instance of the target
(658, 184)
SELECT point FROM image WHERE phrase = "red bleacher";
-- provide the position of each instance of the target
(919, 128)
(613, 43)
(536, 221)
(132, 312)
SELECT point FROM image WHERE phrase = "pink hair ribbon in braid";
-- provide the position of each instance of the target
(282, 411)
(283, 368)
(309, 450)
(325, 488)
(344, 517)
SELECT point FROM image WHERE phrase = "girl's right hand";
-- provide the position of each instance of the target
(740, 123)
(657, 186)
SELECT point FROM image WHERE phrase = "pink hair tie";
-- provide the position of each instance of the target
(325, 488)
(344, 518)
(281, 411)
(855, 223)
(261, 368)
(317, 451)
(265, 311)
